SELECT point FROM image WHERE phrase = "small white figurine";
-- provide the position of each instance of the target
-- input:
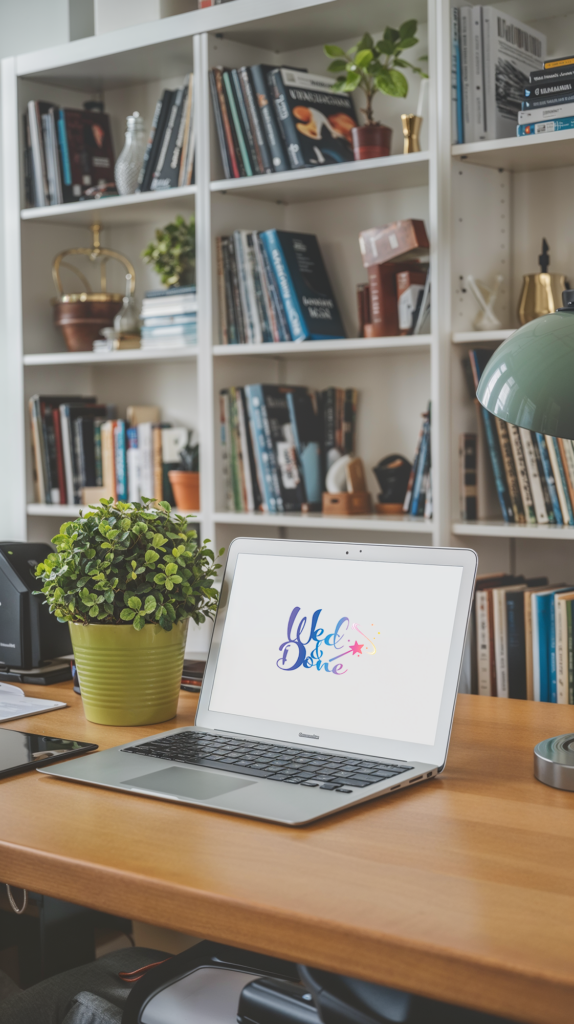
(486, 319)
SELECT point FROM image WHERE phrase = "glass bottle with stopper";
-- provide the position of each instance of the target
(542, 292)
(130, 160)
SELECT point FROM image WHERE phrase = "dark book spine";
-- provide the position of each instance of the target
(250, 453)
(156, 142)
(174, 152)
(232, 333)
(50, 462)
(230, 141)
(548, 476)
(237, 307)
(261, 150)
(149, 147)
(79, 469)
(549, 91)
(510, 471)
(255, 404)
(279, 161)
(28, 176)
(548, 101)
(278, 307)
(551, 74)
(497, 466)
(256, 165)
(88, 451)
(170, 130)
(59, 455)
(241, 147)
(258, 288)
(417, 502)
(570, 653)
(285, 118)
(349, 417)
(516, 644)
(219, 126)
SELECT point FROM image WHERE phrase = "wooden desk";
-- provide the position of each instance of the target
(460, 889)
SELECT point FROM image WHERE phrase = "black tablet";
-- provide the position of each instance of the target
(20, 751)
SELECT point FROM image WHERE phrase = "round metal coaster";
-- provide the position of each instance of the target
(554, 761)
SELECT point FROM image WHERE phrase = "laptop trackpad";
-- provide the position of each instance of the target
(186, 782)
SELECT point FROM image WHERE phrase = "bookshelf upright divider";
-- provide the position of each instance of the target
(476, 200)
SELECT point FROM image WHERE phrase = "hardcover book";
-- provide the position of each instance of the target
(304, 285)
(315, 122)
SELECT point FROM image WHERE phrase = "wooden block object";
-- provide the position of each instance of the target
(93, 495)
(404, 237)
(389, 508)
(346, 503)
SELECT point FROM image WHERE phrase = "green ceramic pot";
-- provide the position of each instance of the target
(129, 677)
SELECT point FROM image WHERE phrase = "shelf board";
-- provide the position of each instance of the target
(316, 520)
(309, 184)
(72, 511)
(475, 337)
(495, 528)
(116, 210)
(133, 355)
(527, 153)
(344, 347)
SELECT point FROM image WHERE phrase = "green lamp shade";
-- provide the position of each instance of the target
(529, 381)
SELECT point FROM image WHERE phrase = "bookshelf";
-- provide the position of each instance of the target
(486, 207)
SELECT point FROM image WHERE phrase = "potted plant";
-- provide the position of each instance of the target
(185, 481)
(374, 67)
(127, 578)
(172, 253)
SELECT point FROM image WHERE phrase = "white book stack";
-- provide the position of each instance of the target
(169, 318)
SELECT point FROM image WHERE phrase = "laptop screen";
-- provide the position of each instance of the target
(357, 647)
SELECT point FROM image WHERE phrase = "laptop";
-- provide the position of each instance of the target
(331, 679)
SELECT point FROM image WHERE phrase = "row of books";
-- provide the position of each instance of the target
(169, 157)
(493, 55)
(278, 442)
(273, 287)
(169, 318)
(418, 499)
(533, 473)
(522, 641)
(548, 104)
(79, 444)
(66, 153)
(271, 119)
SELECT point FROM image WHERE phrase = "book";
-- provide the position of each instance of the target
(246, 124)
(161, 112)
(542, 603)
(484, 685)
(235, 121)
(409, 287)
(159, 179)
(14, 703)
(421, 468)
(109, 482)
(229, 151)
(467, 454)
(255, 405)
(555, 74)
(306, 427)
(563, 627)
(516, 643)
(120, 460)
(554, 513)
(567, 456)
(557, 124)
(501, 637)
(36, 108)
(477, 95)
(560, 479)
(457, 120)
(90, 148)
(478, 360)
(277, 156)
(304, 285)
(282, 440)
(315, 122)
(133, 464)
(219, 127)
(512, 50)
(465, 67)
(168, 175)
(188, 137)
(546, 113)
(532, 466)
(521, 473)
(145, 446)
(510, 471)
(543, 101)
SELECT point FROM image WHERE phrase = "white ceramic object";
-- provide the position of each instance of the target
(486, 319)
(336, 479)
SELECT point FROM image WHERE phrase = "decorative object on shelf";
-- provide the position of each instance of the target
(185, 481)
(373, 67)
(541, 293)
(412, 123)
(392, 475)
(486, 319)
(172, 254)
(82, 315)
(130, 160)
(125, 334)
(398, 291)
(144, 577)
(346, 489)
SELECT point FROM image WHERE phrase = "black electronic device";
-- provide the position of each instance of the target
(21, 751)
(30, 637)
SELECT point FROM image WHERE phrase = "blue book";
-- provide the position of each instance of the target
(563, 479)
(256, 406)
(121, 460)
(456, 71)
(558, 124)
(549, 477)
(422, 467)
(64, 156)
(305, 288)
(543, 634)
(478, 360)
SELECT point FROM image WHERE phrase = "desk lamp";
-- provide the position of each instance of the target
(529, 382)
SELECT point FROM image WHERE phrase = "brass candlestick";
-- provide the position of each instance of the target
(411, 128)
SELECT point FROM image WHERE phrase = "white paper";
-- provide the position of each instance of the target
(15, 704)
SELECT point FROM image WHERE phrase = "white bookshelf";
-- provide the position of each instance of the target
(486, 207)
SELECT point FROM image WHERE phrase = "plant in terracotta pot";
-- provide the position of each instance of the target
(373, 67)
(128, 578)
(185, 481)
(172, 253)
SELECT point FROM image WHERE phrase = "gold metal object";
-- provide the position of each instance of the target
(97, 254)
(411, 128)
(541, 294)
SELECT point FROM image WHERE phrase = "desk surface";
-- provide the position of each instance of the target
(460, 889)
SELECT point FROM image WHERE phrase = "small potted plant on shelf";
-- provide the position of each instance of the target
(185, 481)
(373, 67)
(128, 578)
(172, 253)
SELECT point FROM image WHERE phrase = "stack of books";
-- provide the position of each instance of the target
(169, 318)
(273, 287)
(418, 499)
(271, 119)
(169, 156)
(533, 473)
(492, 56)
(548, 103)
(523, 639)
(278, 442)
(80, 447)
(66, 153)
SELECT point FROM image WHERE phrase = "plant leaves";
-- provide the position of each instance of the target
(135, 603)
(337, 65)
(139, 622)
(363, 58)
(150, 605)
(352, 81)
(408, 29)
(333, 51)
(127, 614)
(392, 82)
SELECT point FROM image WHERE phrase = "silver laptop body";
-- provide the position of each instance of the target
(331, 679)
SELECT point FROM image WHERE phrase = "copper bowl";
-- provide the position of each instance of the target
(81, 317)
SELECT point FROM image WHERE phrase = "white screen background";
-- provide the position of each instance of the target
(407, 610)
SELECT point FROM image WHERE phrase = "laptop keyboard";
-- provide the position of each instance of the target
(270, 761)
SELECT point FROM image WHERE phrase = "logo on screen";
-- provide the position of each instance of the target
(309, 645)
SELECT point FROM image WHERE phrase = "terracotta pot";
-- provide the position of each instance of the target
(371, 140)
(185, 486)
(81, 322)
